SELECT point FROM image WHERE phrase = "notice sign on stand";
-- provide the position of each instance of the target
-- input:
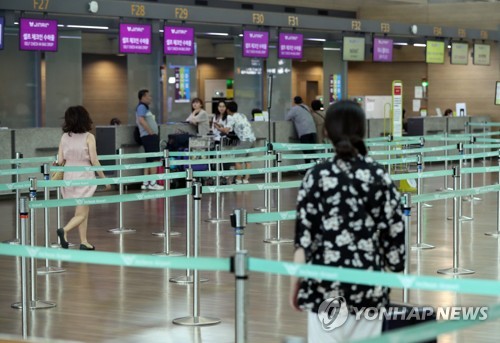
(135, 39)
(397, 108)
(255, 44)
(178, 40)
(290, 45)
(38, 34)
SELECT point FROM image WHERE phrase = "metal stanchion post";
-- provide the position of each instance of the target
(240, 267)
(239, 222)
(17, 240)
(422, 144)
(47, 269)
(419, 244)
(471, 177)
(166, 214)
(218, 218)
(34, 303)
(278, 239)
(188, 278)
(456, 270)
(390, 138)
(196, 319)
(484, 148)
(446, 161)
(23, 218)
(460, 165)
(497, 233)
(120, 229)
(407, 220)
(267, 180)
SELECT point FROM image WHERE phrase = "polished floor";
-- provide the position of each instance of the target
(98, 303)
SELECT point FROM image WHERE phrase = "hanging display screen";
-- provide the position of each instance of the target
(178, 40)
(38, 34)
(459, 53)
(434, 52)
(353, 49)
(382, 49)
(290, 45)
(255, 44)
(481, 54)
(135, 39)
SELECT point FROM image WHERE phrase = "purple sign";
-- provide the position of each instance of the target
(38, 34)
(255, 44)
(2, 22)
(382, 50)
(178, 40)
(135, 39)
(290, 45)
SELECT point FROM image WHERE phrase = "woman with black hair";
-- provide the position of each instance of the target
(78, 148)
(349, 215)
(221, 119)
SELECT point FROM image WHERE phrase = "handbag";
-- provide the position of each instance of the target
(231, 138)
(57, 175)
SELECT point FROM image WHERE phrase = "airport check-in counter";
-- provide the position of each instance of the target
(428, 126)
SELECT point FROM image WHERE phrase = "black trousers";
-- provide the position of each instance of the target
(310, 138)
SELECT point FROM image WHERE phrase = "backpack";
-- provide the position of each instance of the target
(137, 136)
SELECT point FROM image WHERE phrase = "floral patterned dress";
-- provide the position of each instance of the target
(349, 215)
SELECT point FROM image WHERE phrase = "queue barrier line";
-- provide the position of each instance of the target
(216, 152)
(451, 194)
(19, 171)
(429, 330)
(487, 124)
(482, 146)
(15, 185)
(421, 175)
(411, 151)
(222, 160)
(28, 160)
(412, 159)
(250, 187)
(271, 216)
(300, 146)
(130, 156)
(460, 157)
(106, 168)
(480, 170)
(306, 156)
(396, 143)
(488, 140)
(295, 167)
(117, 259)
(109, 199)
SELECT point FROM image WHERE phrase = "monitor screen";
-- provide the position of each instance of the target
(290, 45)
(459, 53)
(497, 93)
(481, 54)
(255, 44)
(178, 40)
(2, 23)
(434, 52)
(135, 39)
(382, 49)
(353, 49)
(38, 34)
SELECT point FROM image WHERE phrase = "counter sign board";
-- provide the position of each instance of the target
(178, 40)
(290, 45)
(2, 23)
(255, 44)
(382, 50)
(135, 39)
(38, 34)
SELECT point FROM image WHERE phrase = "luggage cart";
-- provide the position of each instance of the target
(202, 143)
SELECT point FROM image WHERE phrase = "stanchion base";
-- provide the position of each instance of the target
(172, 253)
(216, 220)
(121, 230)
(49, 270)
(493, 234)
(14, 241)
(184, 280)
(418, 246)
(455, 271)
(196, 321)
(427, 205)
(278, 240)
(462, 218)
(162, 234)
(35, 305)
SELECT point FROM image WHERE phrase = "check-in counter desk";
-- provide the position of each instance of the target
(429, 126)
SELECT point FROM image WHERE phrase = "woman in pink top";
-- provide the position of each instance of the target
(78, 148)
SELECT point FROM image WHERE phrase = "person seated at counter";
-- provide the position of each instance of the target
(199, 117)
(448, 113)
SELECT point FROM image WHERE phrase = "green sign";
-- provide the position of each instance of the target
(481, 54)
(459, 53)
(353, 49)
(434, 52)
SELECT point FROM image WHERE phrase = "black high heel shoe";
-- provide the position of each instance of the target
(64, 242)
(84, 247)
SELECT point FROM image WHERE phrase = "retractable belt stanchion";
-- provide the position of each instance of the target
(407, 221)
(446, 161)
(34, 303)
(188, 278)
(422, 145)
(278, 239)
(456, 270)
(240, 268)
(419, 244)
(17, 240)
(218, 218)
(23, 218)
(460, 147)
(166, 233)
(47, 269)
(196, 319)
(497, 233)
(239, 222)
(57, 244)
(471, 176)
(120, 229)
(267, 180)
(390, 138)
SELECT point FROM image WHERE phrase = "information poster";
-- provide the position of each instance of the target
(497, 93)
(382, 49)
(2, 23)
(38, 34)
(461, 108)
(434, 52)
(353, 49)
(397, 108)
(459, 53)
(290, 45)
(481, 54)
(255, 44)
(178, 40)
(182, 93)
(135, 39)
(335, 87)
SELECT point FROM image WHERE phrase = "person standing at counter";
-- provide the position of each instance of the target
(148, 129)
(199, 117)
(303, 121)
(319, 120)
